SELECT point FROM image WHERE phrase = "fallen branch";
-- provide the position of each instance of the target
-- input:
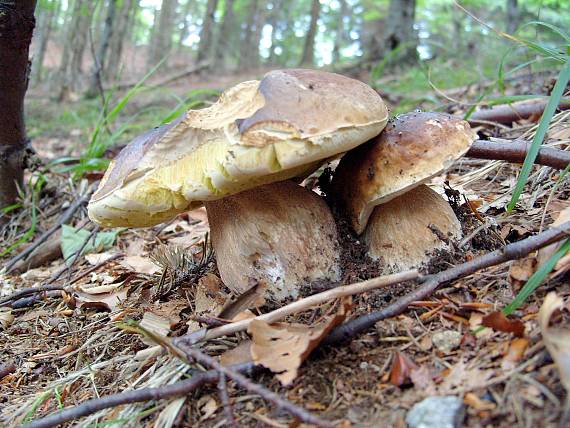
(431, 283)
(509, 113)
(254, 388)
(43, 254)
(65, 217)
(303, 304)
(24, 292)
(516, 150)
(177, 389)
(168, 79)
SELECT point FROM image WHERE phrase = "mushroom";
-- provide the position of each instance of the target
(380, 186)
(227, 155)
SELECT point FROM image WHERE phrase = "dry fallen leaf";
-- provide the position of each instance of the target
(238, 355)
(545, 253)
(499, 322)
(282, 347)
(105, 301)
(520, 271)
(402, 367)
(140, 264)
(477, 403)
(556, 340)
(6, 318)
(515, 353)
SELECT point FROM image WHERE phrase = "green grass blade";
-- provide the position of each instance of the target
(537, 278)
(553, 102)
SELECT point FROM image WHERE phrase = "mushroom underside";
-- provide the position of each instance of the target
(406, 231)
(280, 234)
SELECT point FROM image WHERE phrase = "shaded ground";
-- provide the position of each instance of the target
(66, 353)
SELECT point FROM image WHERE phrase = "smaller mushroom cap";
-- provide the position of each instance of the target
(258, 132)
(412, 148)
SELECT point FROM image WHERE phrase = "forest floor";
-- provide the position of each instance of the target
(75, 344)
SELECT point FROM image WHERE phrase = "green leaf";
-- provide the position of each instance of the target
(543, 125)
(73, 239)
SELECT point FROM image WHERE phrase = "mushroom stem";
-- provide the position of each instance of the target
(280, 234)
(405, 231)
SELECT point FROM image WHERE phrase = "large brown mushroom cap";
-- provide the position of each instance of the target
(257, 133)
(282, 234)
(412, 148)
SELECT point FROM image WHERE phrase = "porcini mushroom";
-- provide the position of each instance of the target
(259, 132)
(380, 185)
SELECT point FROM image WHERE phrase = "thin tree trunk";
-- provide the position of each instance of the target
(163, 33)
(118, 37)
(224, 36)
(308, 57)
(249, 34)
(43, 32)
(400, 32)
(184, 30)
(513, 15)
(16, 28)
(339, 39)
(273, 22)
(206, 33)
(100, 58)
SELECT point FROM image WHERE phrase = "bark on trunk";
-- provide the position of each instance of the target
(400, 32)
(205, 47)
(308, 57)
(16, 28)
(513, 15)
(118, 37)
(339, 39)
(226, 28)
(185, 22)
(100, 58)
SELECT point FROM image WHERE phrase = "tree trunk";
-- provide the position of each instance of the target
(339, 39)
(308, 57)
(16, 28)
(274, 23)
(43, 32)
(400, 32)
(76, 41)
(163, 32)
(248, 51)
(184, 16)
(513, 15)
(206, 33)
(224, 36)
(100, 58)
(118, 37)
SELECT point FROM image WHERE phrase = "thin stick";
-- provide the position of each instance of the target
(306, 303)
(516, 150)
(431, 283)
(30, 290)
(225, 399)
(254, 388)
(177, 389)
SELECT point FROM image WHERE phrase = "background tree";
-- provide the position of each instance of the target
(161, 43)
(308, 57)
(400, 36)
(16, 28)
(207, 32)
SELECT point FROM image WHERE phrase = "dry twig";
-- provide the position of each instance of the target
(431, 283)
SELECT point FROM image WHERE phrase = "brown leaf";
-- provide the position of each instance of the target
(402, 367)
(520, 271)
(478, 404)
(6, 318)
(104, 301)
(238, 355)
(515, 353)
(282, 347)
(556, 340)
(139, 264)
(499, 322)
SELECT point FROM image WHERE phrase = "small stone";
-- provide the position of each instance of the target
(436, 412)
(446, 341)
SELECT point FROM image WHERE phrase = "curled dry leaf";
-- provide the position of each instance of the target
(282, 347)
(514, 353)
(139, 264)
(499, 322)
(402, 368)
(105, 297)
(556, 340)
(6, 318)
